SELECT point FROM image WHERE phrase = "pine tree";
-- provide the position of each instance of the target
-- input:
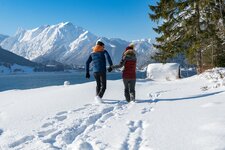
(190, 27)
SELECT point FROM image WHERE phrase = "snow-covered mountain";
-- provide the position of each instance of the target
(2, 37)
(7, 57)
(12, 63)
(69, 44)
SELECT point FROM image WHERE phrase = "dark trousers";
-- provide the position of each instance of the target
(100, 78)
(129, 90)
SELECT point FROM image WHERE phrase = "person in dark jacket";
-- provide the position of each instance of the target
(129, 72)
(98, 58)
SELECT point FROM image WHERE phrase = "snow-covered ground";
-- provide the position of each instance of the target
(184, 114)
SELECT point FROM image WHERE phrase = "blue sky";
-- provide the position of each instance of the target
(126, 19)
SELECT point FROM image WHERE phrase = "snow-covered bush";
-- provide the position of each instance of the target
(216, 76)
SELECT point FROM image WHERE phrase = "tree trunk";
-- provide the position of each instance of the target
(199, 61)
(198, 29)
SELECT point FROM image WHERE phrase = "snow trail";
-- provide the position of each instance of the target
(166, 115)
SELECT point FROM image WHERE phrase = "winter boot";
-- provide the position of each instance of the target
(98, 99)
(132, 97)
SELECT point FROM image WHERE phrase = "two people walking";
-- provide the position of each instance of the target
(128, 62)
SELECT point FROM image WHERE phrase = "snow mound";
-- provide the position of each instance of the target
(66, 83)
(160, 71)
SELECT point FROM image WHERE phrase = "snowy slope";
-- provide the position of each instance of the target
(11, 58)
(12, 63)
(67, 43)
(171, 115)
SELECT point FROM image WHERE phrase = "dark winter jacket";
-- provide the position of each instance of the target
(98, 59)
(129, 62)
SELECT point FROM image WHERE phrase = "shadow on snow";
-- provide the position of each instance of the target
(108, 101)
(180, 98)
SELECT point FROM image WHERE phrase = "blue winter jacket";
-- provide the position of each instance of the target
(98, 60)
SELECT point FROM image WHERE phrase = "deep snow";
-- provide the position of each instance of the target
(187, 114)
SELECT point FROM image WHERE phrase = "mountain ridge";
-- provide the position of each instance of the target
(2, 37)
(11, 58)
(70, 44)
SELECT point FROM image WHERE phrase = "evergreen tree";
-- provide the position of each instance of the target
(190, 27)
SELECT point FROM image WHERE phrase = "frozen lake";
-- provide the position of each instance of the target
(36, 80)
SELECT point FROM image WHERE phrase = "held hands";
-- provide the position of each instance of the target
(110, 69)
(87, 75)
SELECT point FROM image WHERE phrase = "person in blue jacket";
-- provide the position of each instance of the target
(98, 58)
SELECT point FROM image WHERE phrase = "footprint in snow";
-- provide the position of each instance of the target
(205, 88)
(60, 118)
(1, 131)
(79, 109)
(82, 145)
(134, 137)
(21, 141)
(47, 124)
(86, 146)
(45, 133)
(65, 136)
(61, 113)
(146, 110)
(154, 96)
